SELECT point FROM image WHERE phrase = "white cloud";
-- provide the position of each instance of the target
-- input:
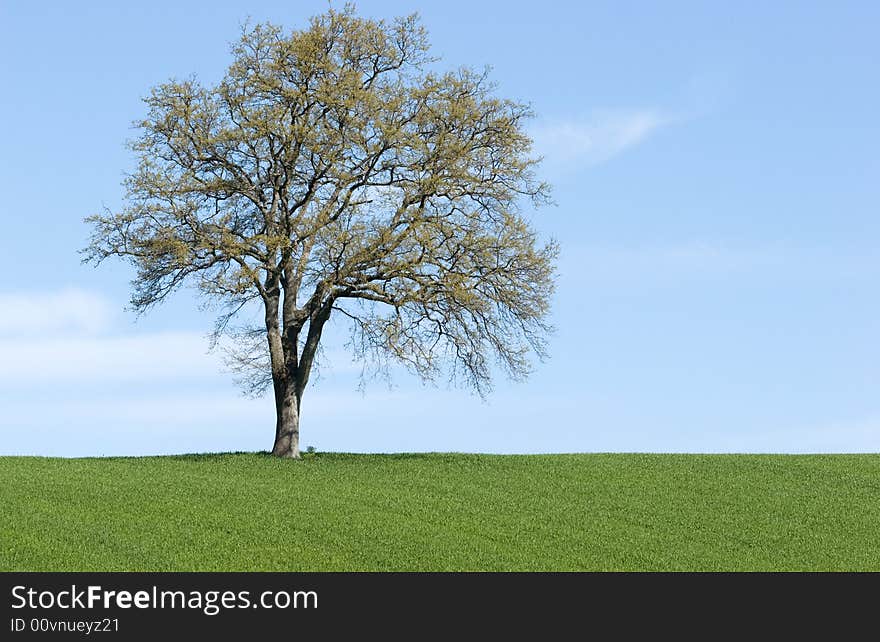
(67, 336)
(700, 260)
(860, 435)
(70, 311)
(596, 138)
(694, 258)
(72, 393)
(156, 357)
(180, 407)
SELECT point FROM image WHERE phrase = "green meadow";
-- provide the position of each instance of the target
(441, 512)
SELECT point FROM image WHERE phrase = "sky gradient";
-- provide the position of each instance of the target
(717, 188)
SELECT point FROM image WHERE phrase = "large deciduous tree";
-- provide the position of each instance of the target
(330, 172)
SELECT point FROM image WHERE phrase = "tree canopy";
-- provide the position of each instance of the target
(333, 171)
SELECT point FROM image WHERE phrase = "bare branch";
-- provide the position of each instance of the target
(329, 173)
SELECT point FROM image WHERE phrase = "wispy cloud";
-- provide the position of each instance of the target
(69, 336)
(69, 311)
(66, 361)
(595, 138)
(853, 435)
(859, 435)
(700, 260)
(687, 258)
(140, 358)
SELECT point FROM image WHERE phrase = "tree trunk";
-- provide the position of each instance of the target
(287, 420)
(290, 375)
(283, 360)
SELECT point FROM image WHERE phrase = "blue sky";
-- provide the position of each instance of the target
(717, 185)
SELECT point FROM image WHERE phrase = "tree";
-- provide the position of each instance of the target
(328, 173)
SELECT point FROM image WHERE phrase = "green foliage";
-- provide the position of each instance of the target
(441, 512)
(329, 172)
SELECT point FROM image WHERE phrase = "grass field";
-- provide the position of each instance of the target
(441, 512)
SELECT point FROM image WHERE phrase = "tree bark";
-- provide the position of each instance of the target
(287, 420)
(283, 361)
(290, 374)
